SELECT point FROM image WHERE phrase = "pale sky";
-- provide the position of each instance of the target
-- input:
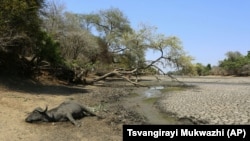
(207, 28)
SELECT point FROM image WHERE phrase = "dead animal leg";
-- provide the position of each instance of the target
(70, 117)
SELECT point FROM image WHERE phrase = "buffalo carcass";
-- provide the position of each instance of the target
(68, 110)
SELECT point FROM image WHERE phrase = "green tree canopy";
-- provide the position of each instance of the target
(235, 63)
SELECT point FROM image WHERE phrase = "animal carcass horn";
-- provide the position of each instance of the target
(45, 109)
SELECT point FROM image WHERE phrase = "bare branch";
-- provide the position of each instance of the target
(117, 72)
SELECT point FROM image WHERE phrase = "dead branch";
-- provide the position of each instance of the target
(120, 73)
(169, 75)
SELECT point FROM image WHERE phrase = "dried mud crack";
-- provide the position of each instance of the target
(119, 104)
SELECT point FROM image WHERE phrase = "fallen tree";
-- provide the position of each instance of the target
(169, 50)
(119, 73)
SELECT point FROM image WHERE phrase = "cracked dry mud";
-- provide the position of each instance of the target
(219, 100)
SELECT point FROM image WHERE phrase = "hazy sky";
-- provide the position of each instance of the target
(207, 28)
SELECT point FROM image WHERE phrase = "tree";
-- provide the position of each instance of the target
(53, 18)
(185, 66)
(218, 71)
(200, 69)
(19, 24)
(106, 36)
(248, 54)
(80, 51)
(20, 33)
(78, 46)
(111, 25)
(170, 50)
(233, 56)
(234, 63)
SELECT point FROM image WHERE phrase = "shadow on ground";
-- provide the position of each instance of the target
(34, 87)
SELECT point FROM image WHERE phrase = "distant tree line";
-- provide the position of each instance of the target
(37, 35)
(234, 64)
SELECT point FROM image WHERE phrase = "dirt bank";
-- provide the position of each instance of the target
(19, 97)
(118, 102)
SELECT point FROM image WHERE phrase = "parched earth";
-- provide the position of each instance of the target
(214, 100)
(19, 97)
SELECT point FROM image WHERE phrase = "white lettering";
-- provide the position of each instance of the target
(129, 131)
(187, 132)
(154, 134)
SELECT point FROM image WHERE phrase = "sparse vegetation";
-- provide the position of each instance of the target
(41, 35)
(234, 64)
(39, 39)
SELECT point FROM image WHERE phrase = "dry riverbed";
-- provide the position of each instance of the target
(118, 102)
(214, 100)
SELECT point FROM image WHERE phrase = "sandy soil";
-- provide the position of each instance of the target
(117, 102)
(19, 97)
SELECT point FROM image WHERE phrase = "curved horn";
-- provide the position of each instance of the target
(45, 109)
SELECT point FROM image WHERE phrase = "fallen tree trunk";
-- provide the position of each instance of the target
(79, 77)
(120, 73)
